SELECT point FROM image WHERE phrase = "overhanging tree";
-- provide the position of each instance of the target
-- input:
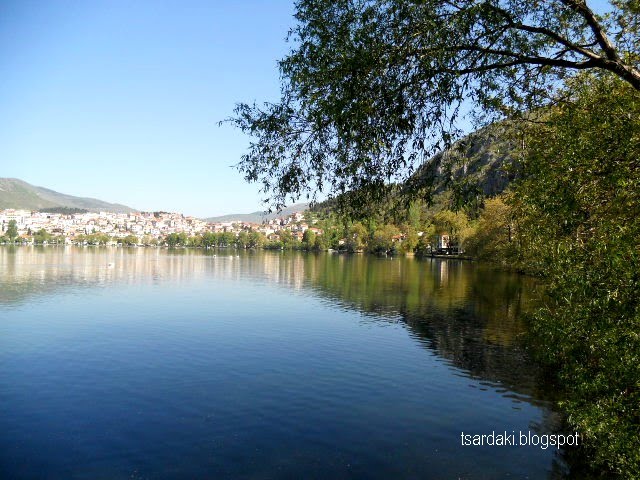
(371, 89)
(577, 213)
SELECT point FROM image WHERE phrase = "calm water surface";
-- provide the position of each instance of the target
(144, 363)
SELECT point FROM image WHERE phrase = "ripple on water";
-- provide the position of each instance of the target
(259, 366)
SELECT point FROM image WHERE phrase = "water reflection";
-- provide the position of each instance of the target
(468, 316)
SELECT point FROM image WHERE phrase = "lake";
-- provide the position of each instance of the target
(154, 364)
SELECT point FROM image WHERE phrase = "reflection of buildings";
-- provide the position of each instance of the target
(452, 308)
(28, 270)
(444, 272)
(468, 317)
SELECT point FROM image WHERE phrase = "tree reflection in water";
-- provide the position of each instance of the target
(468, 315)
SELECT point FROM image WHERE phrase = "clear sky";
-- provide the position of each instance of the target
(120, 100)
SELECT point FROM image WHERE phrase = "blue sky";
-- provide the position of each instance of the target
(120, 100)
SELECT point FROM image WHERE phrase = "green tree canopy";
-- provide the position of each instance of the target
(243, 239)
(382, 239)
(256, 239)
(12, 230)
(493, 238)
(450, 223)
(130, 240)
(309, 239)
(209, 239)
(372, 88)
(578, 215)
(41, 236)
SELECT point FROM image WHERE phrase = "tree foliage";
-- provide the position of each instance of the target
(12, 230)
(494, 236)
(41, 236)
(373, 88)
(381, 241)
(578, 215)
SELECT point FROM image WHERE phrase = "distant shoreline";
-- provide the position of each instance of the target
(254, 249)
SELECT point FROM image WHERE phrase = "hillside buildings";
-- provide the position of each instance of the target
(140, 224)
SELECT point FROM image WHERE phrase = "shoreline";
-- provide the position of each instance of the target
(331, 251)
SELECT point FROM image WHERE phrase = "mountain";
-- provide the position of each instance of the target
(483, 159)
(259, 217)
(480, 164)
(15, 193)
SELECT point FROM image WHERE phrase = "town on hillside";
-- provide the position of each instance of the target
(298, 230)
(140, 228)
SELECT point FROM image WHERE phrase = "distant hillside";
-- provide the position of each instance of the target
(259, 217)
(478, 165)
(482, 158)
(15, 193)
